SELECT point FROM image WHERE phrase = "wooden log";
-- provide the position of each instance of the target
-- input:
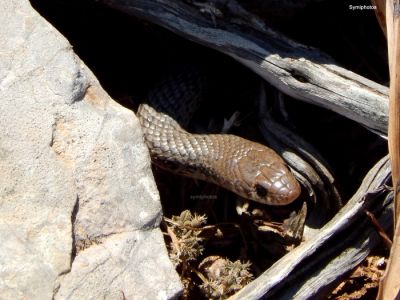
(300, 71)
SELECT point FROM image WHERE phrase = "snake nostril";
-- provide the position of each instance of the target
(261, 191)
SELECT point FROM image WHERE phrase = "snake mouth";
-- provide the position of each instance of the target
(292, 194)
(285, 189)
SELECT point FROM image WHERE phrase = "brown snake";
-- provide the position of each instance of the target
(246, 168)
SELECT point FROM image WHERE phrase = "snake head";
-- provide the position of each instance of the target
(266, 178)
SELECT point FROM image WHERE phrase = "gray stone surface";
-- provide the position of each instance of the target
(79, 210)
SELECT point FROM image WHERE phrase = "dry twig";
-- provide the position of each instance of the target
(390, 285)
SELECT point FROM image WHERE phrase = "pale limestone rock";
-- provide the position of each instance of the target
(73, 171)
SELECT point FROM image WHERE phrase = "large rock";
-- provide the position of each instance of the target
(79, 210)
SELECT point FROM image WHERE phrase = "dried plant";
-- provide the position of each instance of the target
(223, 277)
(186, 243)
(220, 277)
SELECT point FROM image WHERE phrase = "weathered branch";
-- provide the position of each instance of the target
(297, 70)
(390, 285)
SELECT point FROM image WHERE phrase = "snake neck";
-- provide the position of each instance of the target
(173, 148)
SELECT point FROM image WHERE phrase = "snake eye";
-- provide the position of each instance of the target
(261, 191)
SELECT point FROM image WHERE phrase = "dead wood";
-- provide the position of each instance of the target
(302, 72)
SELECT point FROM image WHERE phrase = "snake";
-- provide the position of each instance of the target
(249, 169)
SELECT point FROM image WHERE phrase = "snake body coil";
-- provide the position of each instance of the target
(249, 169)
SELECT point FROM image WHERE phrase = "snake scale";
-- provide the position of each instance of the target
(246, 168)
